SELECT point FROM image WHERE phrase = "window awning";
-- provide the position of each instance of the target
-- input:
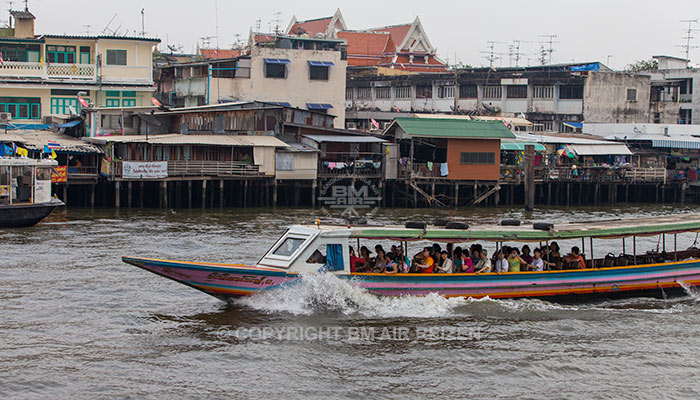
(344, 139)
(676, 143)
(520, 146)
(70, 124)
(599, 149)
(277, 61)
(318, 106)
(574, 125)
(321, 63)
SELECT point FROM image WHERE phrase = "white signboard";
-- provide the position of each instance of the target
(144, 170)
(42, 192)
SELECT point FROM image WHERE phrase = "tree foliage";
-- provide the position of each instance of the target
(643, 65)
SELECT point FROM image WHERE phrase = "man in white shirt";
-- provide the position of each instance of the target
(501, 263)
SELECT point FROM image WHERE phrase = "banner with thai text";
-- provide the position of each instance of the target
(144, 170)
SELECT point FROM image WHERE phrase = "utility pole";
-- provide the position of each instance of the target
(689, 36)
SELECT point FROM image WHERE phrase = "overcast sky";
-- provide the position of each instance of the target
(625, 30)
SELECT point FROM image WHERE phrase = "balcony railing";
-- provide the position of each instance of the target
(86, 72)
(349, 164)
(619, 174)
(184, 168)
(82, 171)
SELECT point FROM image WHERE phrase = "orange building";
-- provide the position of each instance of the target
(451, 149)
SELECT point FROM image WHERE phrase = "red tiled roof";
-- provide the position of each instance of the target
(366, 48)
(398, 34)
(312, 26)
(259, 37)
(214, 54)
(402, 62)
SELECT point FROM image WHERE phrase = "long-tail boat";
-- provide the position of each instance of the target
(655, 274)
(25, 191)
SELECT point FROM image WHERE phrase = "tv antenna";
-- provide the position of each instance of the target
(143, 22)
(689, 36)
(551, 42)
(491, 54)
(206, 41)
(87, 29)
(517, 54)
(277, 22)
(107, 29)
(258, 23)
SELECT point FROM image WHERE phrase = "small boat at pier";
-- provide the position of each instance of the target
(655, 274)
(25, 191)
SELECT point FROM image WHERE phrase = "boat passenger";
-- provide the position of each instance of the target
(575, 256)
(484, 264)
(379, 261)
(450, 250)
(467, 265)
(526, 254)
(435, 251)
(354, 260)
(457, 259)
(555, 250)
(446, 265)
(402, 260)
(365, 263)
(426, 264)
(550, 261)
(391, 266)
(515, 262)
(537, 263)
(501, 263)
(475, 253)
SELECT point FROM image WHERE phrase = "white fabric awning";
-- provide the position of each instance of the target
(599, 149)
(689, 143)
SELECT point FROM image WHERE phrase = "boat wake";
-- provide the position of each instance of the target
(315, 293)
(692, 291)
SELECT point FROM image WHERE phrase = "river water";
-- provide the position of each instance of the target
(78, 323)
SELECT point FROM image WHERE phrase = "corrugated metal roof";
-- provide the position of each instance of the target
(547, 139)
(684, 143)
(520, 146)
(453, 128)
(36, 140)
(344, 139)
(204, 140)
(599, 149)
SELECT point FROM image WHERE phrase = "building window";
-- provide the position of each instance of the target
(516, 91)
(20, 52)
(111, 102)
(382, 92)
(477, 158)
(687, 86)
(348, 93)
(128, 102)
(21, 107)
(468, 92)
(84, 55)
(492, 92)
(424, 91)
(543, 126)
(60, 54)
(317, 73)
(543, 92)
(631, 94)
(63, 105)
(364, 93)
(571, 92)
(402, 92)
(116, 57)
(446, 92)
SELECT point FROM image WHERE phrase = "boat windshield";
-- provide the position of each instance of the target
(288, 246)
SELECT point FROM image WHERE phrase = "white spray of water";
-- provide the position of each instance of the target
(691, 290)
(325, 292)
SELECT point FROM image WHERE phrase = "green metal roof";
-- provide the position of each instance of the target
(520, 146)
(607, 229)
(454, 128)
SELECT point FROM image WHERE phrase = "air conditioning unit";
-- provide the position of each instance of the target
(5, 117)
(532, 109)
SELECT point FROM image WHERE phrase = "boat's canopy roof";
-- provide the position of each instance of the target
(604, 229)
